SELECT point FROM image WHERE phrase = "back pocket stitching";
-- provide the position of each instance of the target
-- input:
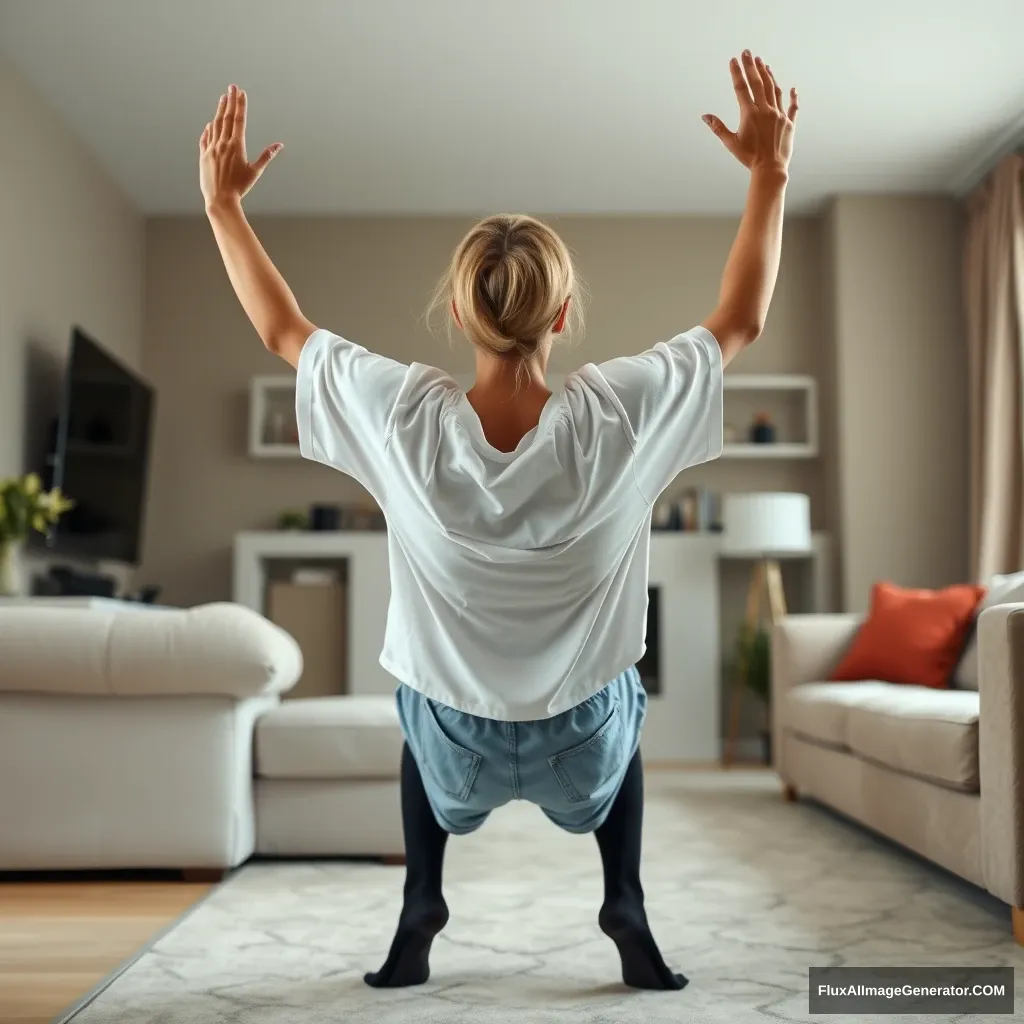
(555, 761)
(474, 759)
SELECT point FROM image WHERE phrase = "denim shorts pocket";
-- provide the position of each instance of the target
(582, 770)
(452, 767)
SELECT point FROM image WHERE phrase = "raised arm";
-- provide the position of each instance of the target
(225, 176)
(763, 143)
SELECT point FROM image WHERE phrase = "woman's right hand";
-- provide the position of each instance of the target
(764, 139)
(225, 172)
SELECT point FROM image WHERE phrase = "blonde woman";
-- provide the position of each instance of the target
(518, 519)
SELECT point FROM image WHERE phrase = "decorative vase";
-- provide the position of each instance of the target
(12, 574)
(762, 430)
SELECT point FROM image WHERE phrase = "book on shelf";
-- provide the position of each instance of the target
(699, 510)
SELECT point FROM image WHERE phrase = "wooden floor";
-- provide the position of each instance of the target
(59, 939)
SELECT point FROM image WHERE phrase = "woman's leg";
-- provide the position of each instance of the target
(622, 917)
(424, 912)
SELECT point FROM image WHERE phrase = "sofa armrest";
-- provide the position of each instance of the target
(804, 649)
(211, 650)
(1001, 749)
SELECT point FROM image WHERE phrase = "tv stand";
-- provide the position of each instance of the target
(73, 583)
(100, 604)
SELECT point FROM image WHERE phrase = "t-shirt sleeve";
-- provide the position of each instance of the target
(345, 402)
(671, 400)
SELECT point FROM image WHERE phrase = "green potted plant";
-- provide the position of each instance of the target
(753, 662)
(292, 521)
(24, 507)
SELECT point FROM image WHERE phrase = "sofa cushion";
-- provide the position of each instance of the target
(920, 731)
(130, 650)
(330, 738)
(818, 710)
(914, 729)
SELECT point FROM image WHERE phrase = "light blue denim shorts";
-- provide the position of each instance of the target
(571, 765)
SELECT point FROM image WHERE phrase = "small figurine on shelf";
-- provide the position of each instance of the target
(762, 430)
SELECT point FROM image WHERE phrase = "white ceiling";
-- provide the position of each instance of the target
(540, 105)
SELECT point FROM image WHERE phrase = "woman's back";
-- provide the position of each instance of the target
(519, 579)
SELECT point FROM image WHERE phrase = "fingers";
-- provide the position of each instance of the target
(794, 105)
(204, 139)
(774, 92)
(728, 138)
(739, 83)
(260, 163)
(752, 69)
(218, 120)
(238, 121)
(229, 113)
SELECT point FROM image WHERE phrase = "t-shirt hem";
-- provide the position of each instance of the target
(716, 411)
(309, 359)
(529, 713)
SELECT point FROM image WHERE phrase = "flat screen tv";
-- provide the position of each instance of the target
(100, 455)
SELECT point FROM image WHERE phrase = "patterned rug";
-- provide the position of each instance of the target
(744, 893)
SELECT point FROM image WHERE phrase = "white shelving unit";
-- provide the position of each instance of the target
(273, 432)
(791, 398)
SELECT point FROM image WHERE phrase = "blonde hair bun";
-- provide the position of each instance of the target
(509, 280)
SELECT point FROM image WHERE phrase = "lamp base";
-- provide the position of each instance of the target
(765, 575)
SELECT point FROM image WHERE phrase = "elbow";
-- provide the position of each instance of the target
(737, 326)
(286, 340)
(281, 338)
(272, 342)
(749, 330)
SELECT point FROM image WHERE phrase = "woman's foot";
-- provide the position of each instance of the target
(623, 918)
(408, 961)
(625, 923)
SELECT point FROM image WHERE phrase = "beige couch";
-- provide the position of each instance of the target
(938, 771)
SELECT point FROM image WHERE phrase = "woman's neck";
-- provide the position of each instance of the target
(509, 377)
(508, 397)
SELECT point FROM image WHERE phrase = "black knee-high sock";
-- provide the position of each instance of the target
(424, 912)
(622, 917)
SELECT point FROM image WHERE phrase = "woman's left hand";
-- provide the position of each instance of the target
(225, 173)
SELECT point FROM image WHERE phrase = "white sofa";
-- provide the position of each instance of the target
(126, 741)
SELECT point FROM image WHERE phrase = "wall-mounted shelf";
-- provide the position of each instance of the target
(273, 432)
(792, 402)
(792, 450)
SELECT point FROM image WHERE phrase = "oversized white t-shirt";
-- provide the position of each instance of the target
(518, 579)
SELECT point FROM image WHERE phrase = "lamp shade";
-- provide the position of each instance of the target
(766, 524)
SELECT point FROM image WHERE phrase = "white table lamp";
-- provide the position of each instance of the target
(762, 527)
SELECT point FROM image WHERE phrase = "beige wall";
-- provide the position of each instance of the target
(900, 410)
(370, 279)
(71, 251)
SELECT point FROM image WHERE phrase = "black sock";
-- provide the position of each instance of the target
(424, 912)
(623, 918)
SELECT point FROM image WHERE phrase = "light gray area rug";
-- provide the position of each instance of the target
(744, 893)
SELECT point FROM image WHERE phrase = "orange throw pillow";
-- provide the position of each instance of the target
(911, 636)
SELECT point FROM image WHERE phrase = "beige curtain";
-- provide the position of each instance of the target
(994, 303)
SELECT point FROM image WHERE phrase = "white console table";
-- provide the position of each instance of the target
(683, 722)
